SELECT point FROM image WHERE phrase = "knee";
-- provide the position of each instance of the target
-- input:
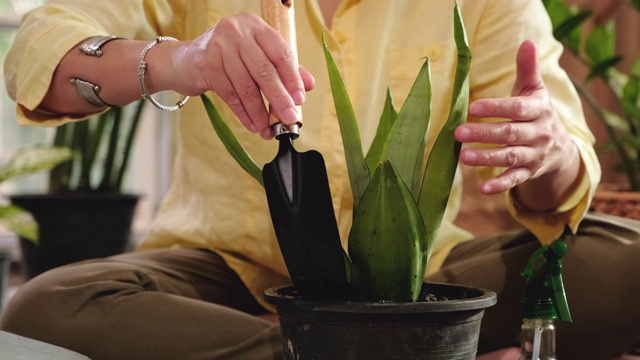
(31, 307)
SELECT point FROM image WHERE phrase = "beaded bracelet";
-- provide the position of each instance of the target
(142, 68)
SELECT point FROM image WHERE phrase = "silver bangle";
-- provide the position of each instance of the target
(142, 68)
(93, 45)
(88, 91)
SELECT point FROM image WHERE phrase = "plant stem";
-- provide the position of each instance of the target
(616, 139)
(107, 182)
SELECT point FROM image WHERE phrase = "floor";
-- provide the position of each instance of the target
(15, 280)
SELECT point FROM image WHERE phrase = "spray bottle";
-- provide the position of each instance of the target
(545, 301)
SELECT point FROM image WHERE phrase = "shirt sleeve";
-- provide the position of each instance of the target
(48, 32)
(504, 26)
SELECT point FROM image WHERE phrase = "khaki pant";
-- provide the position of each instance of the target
(186, 304)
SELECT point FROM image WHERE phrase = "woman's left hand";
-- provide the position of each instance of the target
(533, 144)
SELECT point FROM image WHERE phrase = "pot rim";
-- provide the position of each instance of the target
(482, 298)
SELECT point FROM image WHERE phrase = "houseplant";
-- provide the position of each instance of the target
(398, 209)
(24, 162)
(593, 46)
(85, 214)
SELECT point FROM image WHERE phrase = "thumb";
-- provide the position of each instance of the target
(528, 78)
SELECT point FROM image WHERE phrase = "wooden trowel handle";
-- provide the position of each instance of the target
(280, 16)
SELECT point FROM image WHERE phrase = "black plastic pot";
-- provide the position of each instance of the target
(75, 227)
(5, 269)
(331, 330)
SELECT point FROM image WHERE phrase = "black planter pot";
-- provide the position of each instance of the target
(328, 330)
(75, 227)
(5, 268)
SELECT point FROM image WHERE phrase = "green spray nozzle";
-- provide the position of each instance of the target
(545, 297)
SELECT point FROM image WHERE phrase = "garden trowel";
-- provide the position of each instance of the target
(298, 193)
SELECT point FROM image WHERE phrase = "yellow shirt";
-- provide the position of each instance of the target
(213, 203)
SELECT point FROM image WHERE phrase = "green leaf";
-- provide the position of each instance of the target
(405, 145)
(602, 69)
(387, 119)
(616, 121)
(231, 142)
(566, 22)
(571, 24)
(443, 160)
(121, 166)
(34, 159)
(387, 241)
(60, 175)
(356, 164)
(631, 97)
(19, 221)
(600, 45)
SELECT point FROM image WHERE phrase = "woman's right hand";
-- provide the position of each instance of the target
(242, 58)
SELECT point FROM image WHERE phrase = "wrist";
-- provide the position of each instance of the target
(160, 69)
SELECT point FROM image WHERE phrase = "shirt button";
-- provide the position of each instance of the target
(340, 37)
(434, 52)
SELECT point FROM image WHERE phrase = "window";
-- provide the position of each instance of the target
(149, 172)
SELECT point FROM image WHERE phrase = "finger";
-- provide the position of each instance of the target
(506, 156)
(521, 108)
(307, 79)
(246, 90)
(285, 60)
(226, 91)
(277, 74)
(502, 133)
(505, 181)
(528, 77)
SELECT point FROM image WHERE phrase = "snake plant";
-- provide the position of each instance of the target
(102, 146)
(398, 202)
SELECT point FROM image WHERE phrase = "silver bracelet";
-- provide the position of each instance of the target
(142, 68)
(87, 90)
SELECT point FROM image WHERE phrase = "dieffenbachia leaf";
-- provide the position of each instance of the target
(443, 160)
(356, 165)
(34, 159)
(387, 119)
(387, 241)
(231, 142)
(19, 221)
(405, 145)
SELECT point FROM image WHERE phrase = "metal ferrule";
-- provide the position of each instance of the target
(292, 131)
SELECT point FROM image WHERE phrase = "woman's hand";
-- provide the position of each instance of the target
(241, 58)
(536, 149)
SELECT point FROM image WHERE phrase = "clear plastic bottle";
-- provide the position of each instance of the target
(538, 340)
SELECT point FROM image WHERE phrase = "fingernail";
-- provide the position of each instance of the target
(475, 108)
(299, 97)
(290, 116)
(252, 127)
(470, 156)
(463, 133)
(487, 189)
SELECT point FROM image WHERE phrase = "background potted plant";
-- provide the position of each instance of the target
(398, 209)
(14, 218)
(593, 47)
(85, 214)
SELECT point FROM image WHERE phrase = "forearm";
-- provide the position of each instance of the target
(116, 72)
